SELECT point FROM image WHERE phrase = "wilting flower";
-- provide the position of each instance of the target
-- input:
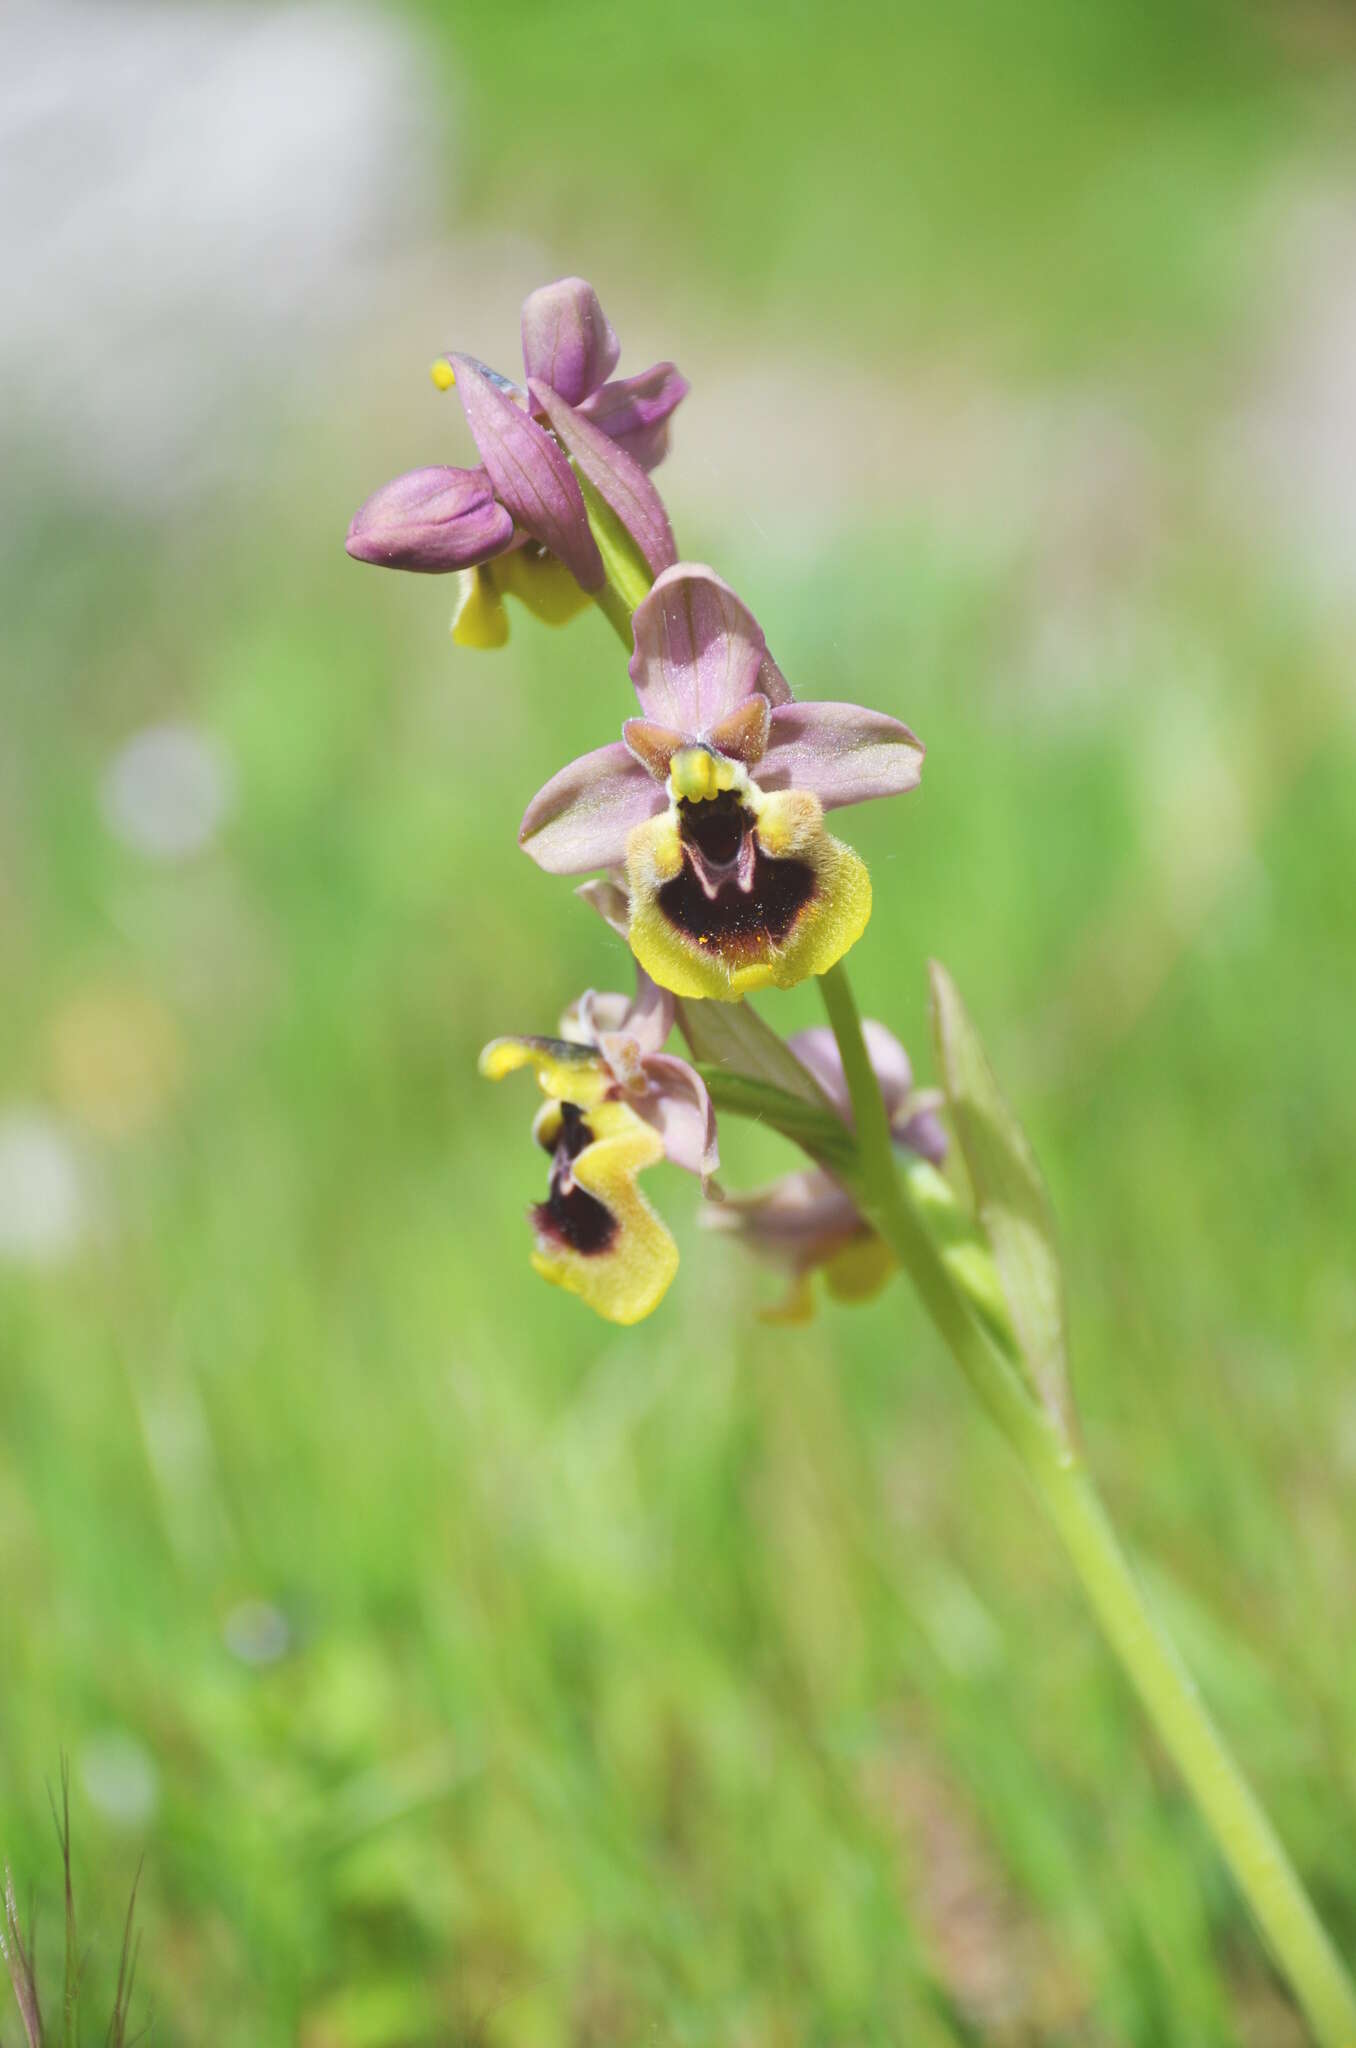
(713, 802)
(805, 1221)
(616, 1103)
(519, 524)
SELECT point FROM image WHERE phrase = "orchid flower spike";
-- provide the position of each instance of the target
(805, 1222)
(519, 524)
(616, 1103)
(713, 802)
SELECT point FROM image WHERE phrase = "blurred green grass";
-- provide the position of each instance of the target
(699, 1683)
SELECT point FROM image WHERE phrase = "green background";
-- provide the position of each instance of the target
(708, 1683)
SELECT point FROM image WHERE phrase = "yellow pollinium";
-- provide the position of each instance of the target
(696, 774)
(443, 374)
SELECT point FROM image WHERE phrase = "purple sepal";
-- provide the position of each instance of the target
(431, 520)
(817, 1051)
(611, 902)
(913, 1119)
(842, 752)
(680, 1109)
(699, 652)
(531, 475)
(568, 342)
(619, 481)
(635, 411)
(580, 819)
(924, 1134)
(799, 1221)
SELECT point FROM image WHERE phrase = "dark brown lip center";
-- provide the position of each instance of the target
(750, 900)
(570, 1215)
(715, 829)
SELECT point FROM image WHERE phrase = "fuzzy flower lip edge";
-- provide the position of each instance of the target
(700, 661)
(614, 1104)
(596, 1234)
(440, 519)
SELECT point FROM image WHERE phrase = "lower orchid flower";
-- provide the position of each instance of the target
(519, 525)
(713, 802)
(616, 1103)
(805, 1222)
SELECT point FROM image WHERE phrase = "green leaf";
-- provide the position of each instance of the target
(817, 1130)
(752, 1072)
(734, 1036)
(1010, 1198)
(626, 569)
(962, 1246)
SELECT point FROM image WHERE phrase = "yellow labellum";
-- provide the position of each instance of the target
(480, 619)
(725, 969)
(629, 1280)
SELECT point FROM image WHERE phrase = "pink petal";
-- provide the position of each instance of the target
(680, 1109)
(654, 745)
(699, 652)
(921, 1129)
(841, 752)
(635, 412)
(619, 482)
(743, 735)
(797, 1221)
(817, 1051)
(531, 475)
(567, 339)
(890, 1064)
(580, 818)
(649, 1017)
(593, 1014)
(610, 901)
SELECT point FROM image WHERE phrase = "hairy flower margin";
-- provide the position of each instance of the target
(616, 1103)
(703, 821)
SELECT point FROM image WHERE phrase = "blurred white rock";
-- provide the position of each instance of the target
(45, 1205)
(192, 204)
(257, 1633)
(168, 791)
(120, 1777)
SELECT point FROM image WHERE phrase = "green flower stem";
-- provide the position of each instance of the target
(993, 1376)
(627, 575)
(1246, 1838)
(616, 608)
